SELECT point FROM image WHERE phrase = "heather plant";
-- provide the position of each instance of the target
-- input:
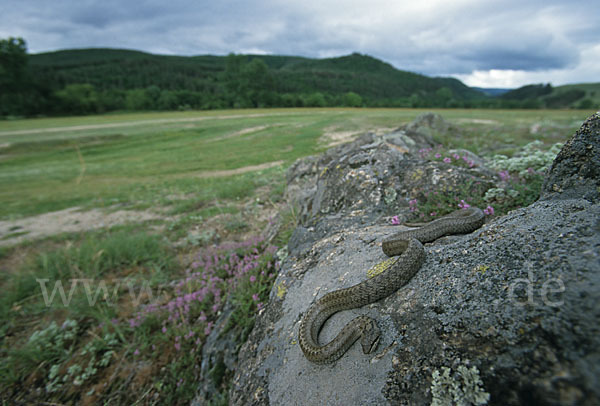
(521, 176)
(519, 182)
(446, 200)
(515, 190)
(439, 154)
(239, 273)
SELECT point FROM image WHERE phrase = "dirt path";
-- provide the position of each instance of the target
(68, 220)
(134, 123)
(237, 171)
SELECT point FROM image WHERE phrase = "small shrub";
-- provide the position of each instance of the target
(44, 348)
(530, 157)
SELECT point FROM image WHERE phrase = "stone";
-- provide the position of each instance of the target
(516, 302)
(576, 169)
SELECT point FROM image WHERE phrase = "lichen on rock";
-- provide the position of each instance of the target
(462, 387)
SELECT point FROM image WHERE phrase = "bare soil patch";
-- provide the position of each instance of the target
(244, 131)
(333, 137)
(133, 123)
(68, 220)
(238, 171)
(477, 121)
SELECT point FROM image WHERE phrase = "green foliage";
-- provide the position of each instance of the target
(44, 348)
(98, 353)
(97, 255)
(564, 98)
(528, 92)
(315, 100)
(19, 95)
(352, 99)
(522, 176)
(94, 257)
(78, 99)
(516, 192)
(139, 81)
(13, 62)
(531, 156)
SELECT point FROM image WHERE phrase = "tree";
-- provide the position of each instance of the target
(248, 84)
(13, 64)
(137, 99)
(315, 100)
(14, 86)
(443, 96)
(352, 99)
(256, 82)
(79, 98)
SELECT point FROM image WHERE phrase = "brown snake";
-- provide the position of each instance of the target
(396, 273)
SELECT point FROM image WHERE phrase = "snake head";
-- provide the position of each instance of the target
(370, 337)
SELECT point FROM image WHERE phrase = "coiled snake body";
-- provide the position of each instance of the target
(407, 248)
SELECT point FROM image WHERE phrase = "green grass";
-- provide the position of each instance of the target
(139, 164)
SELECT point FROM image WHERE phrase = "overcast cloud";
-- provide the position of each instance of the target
(483, 43)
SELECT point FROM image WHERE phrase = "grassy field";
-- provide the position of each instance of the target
(55, 163)
(207, 177)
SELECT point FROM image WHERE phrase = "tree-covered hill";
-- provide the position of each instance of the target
(84, 81)
(368, 77)
(580, 96)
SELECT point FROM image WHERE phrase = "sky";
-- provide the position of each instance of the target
(500, 43)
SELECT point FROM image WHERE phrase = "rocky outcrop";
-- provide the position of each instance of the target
(575, 172)
(508, 313)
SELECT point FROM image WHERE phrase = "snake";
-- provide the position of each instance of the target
(407, 254)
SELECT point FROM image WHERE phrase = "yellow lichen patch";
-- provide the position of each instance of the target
(281, 289)
(416, 175)
(381, 267)
(482, 268)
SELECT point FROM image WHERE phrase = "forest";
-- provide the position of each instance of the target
(91, 81)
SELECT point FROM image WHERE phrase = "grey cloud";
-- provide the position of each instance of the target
(446, 38)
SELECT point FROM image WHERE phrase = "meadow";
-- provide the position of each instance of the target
(213, 181)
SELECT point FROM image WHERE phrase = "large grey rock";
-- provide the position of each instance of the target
(517, 301)
(576, 170)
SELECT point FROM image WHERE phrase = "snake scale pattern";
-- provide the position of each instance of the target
(407, 249)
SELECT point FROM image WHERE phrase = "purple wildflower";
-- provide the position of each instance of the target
(456, 156)
(252, 278)
(255, 297)
(447, 160)
(395, 221)
(464, 205)
(438, 155)
(412, 204)
(489, 211)
(504, 175)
